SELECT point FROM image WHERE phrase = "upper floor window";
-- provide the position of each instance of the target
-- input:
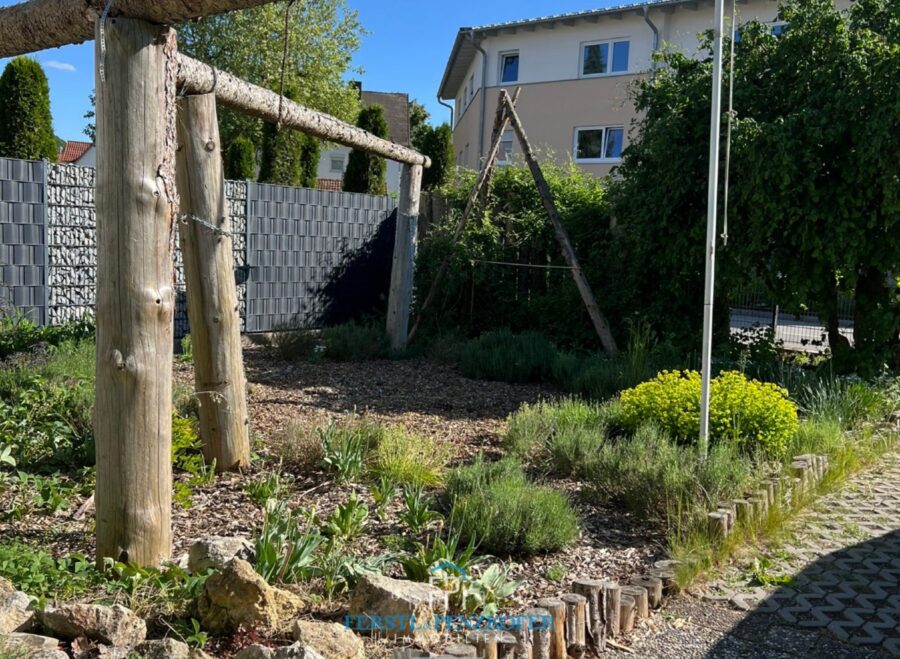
(604, 57)
(337, 164)
(471, 87)
(599, 144)
(509, 67)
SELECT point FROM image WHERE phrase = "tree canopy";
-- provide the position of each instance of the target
(288, 156)
(815, 188)
(323, 36)
(26, 125)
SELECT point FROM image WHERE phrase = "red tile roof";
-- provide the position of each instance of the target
(333, 184)
(72, 151)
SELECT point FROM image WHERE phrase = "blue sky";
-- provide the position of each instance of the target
(406, 50)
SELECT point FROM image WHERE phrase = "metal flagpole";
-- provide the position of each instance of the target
(712, 206)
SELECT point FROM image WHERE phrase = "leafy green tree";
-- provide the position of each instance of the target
(324, 34)
(310, 152)
(282, 151)
(240, 159)
(26, 126)
(814, 199)
(365, 171)
(418, 121)
(435, 142)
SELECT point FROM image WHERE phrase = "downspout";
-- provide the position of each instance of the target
(655, 38)
(449, 107)
(484, 68)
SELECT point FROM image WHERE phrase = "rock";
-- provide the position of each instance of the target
(388, 606)
(168, 648)
(255, 652)
(30, 646)
(239, 596)
(16, 611)
(6, 587)
(330, 639)
(112, 625)
(216, 552)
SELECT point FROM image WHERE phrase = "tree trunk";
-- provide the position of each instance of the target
(400, 297)
(206, 247)
(31, 26)
(135, 294)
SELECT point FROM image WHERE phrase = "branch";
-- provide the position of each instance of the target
(198, 78)
(39, 24)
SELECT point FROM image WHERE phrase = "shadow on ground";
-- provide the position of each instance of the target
(845, 604)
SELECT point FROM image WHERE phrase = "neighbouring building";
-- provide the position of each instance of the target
(83, 154)
(575, 71)
(333, 163)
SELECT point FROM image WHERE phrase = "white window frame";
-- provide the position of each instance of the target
(503, 55)
(336, 159)
(508, 136)
(609, 72)
(596, 161)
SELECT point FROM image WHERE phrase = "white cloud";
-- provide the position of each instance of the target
(59, 66)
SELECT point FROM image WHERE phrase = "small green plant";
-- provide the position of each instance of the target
(187, 456)
(418, 512)
(292, 344)
(341, 572)
(298, 447)
(345, 445)
(348, 520)
(265, 487)
(845, 401)
(354, 343)
(286, 544)
(422, 563)
(506, 514)
(192, 634)
(556, 573)
(407, 459)
(508, 357)
(187, 350)
(761, 575)
(490, 591)
(383, 493)
(757, 416)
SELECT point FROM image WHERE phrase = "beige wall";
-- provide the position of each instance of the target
(550, 113)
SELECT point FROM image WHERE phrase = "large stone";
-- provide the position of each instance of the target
(113, 625)
(16, 612)
(239, 596)
(168, 648)
(30, 646)
(216, 552)
(393, 607)
(6, 587)
(330, 639)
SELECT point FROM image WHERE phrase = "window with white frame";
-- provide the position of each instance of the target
(337, 164)
(471, 88)
(509, 67)
(599, 58)
(599, 144)
(505, 154)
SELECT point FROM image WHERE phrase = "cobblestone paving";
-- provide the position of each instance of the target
(842, 598)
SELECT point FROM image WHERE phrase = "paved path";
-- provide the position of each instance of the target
(838, 594)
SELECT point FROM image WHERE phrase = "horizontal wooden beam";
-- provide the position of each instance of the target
(35, 25)
(198, 78)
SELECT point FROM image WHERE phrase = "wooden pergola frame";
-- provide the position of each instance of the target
(142, 199)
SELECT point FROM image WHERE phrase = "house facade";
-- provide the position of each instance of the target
(333, 162)
(576, 72)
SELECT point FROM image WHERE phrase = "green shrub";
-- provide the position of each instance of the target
(365, 171)
(759, 416)
(505, 514)
(559, 435)
(846, 401)
(18, 333)
(409, 460)
(240, 162)
(654, 476)
(354, 342)
(293, 344)
(508, 357)
(346, 444)
(26, 125)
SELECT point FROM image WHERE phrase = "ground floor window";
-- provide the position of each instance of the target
(599, 143)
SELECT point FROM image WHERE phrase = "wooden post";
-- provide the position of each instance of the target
(592, 590)
(135, 294)
(539, 623)
(506, 646)
(557, 609)
(206, 247)
(611, 595)
(400, 298)
(717, 524)
(653, 586)
(576, 618)
(562, 236)
(627, 608)
(460, 650)
(641, 600)
(485, 643)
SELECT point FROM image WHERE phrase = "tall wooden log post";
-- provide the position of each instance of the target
(206, 247)
(135, 291)
(400, 298)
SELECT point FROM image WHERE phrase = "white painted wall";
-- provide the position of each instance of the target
(325, 170)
